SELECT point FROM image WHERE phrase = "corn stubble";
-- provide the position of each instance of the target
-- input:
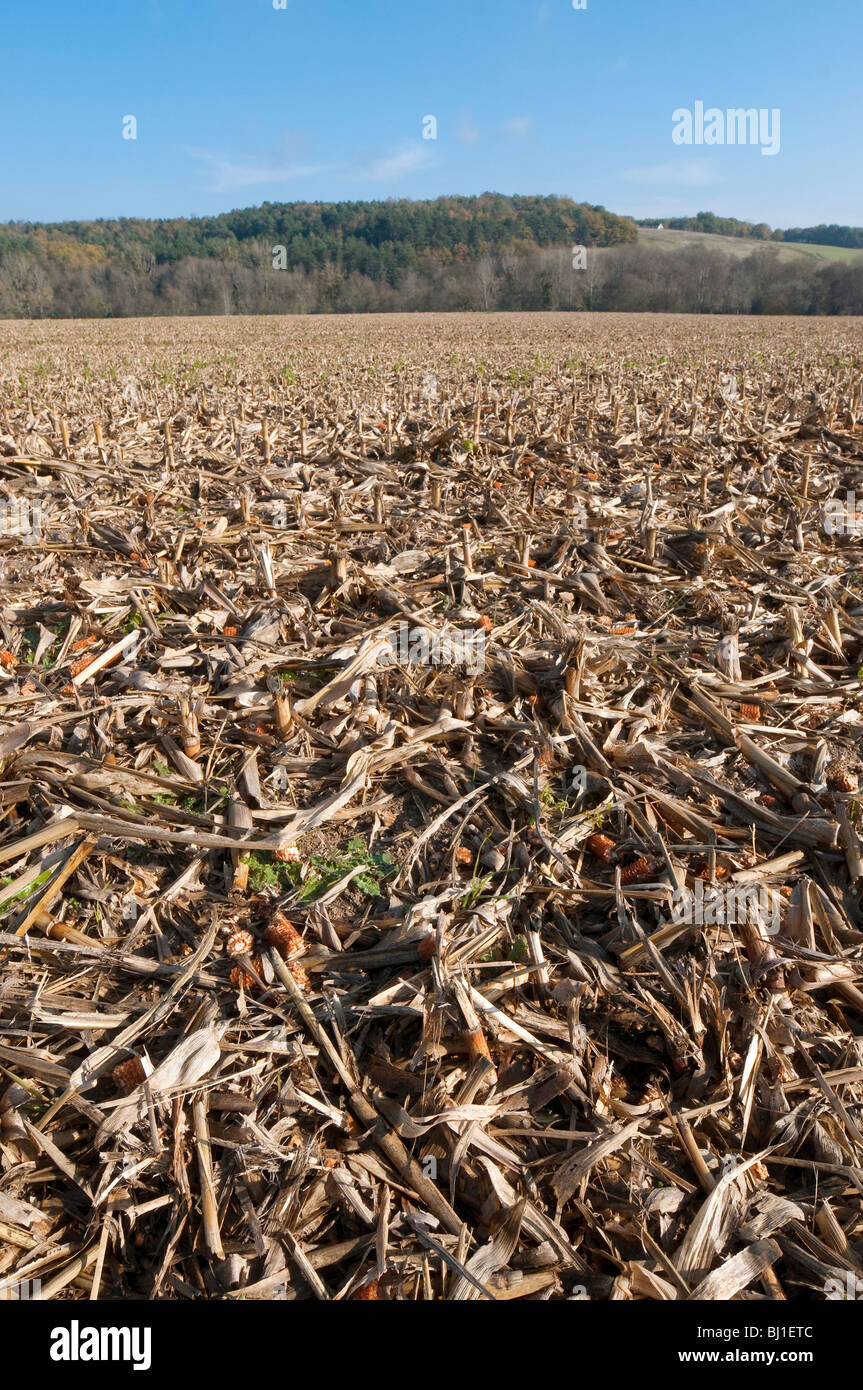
(332, 973)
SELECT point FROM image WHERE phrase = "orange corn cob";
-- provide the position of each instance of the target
(283, 936)
(239, 976)
(129, 1075)
(633, 872)
(240, 943)
(366, 1292)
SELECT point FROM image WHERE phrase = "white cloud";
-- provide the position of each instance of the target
(693, 173)
(393, 166)
(225, 172)
(519, 125)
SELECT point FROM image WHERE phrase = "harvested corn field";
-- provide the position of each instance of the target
(431, 837)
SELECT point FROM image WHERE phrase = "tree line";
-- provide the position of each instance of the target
(485, 253)
(822, 235)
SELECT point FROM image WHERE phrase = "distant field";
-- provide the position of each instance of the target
(669, 240)
(98, 358)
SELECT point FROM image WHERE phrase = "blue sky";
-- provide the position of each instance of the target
(238, 102)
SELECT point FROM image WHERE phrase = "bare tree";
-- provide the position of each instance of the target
(487, 279)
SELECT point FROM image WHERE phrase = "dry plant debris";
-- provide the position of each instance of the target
(430, 841)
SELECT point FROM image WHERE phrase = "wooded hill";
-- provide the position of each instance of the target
(52, 265)
(455, 253)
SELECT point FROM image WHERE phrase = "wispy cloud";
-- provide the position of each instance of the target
(394, 166)
(693, 173)
(225, 172)
(519, 126)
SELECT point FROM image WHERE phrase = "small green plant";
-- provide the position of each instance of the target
(205, 801)
(555, 805)
(478, 888)
(53, 651)
(161, 769)
(192, 371)
(26, 891)
(266, 872)
(328, 869)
